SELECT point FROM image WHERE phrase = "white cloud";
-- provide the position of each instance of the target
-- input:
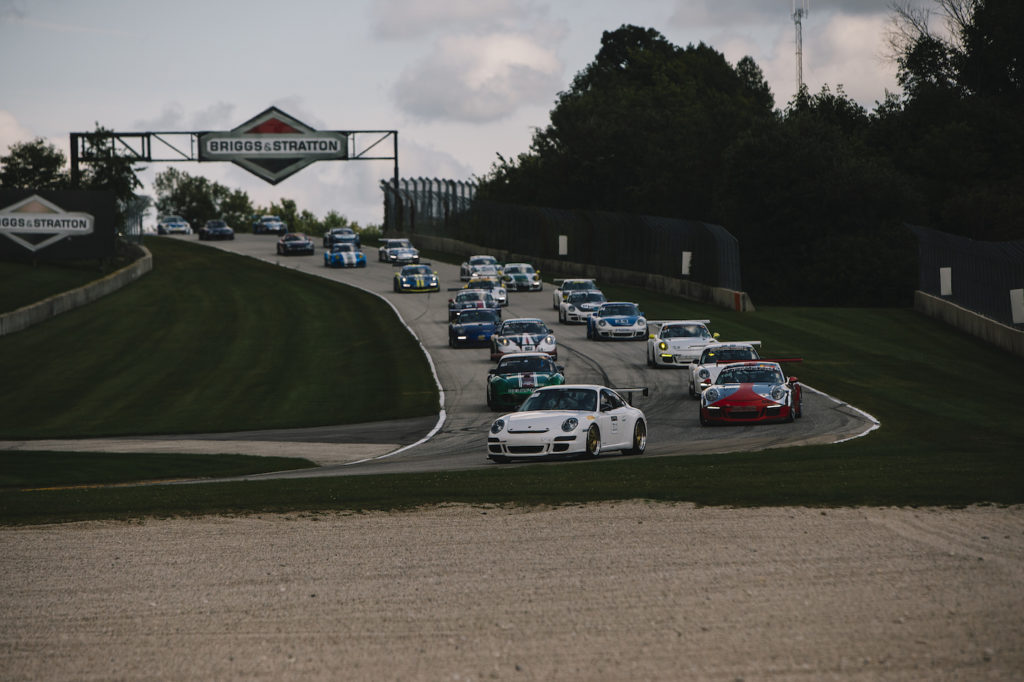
(407, 19)
(12, 132)
(479, 79)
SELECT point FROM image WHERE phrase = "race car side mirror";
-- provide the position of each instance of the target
(560, 368)
(651, 336)
(492, 370)
(793, 380)
(716, 335)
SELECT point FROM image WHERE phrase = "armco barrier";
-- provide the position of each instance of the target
(25, 317)
(695, 291)
(996, 333)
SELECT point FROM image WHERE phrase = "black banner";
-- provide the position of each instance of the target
(56, 224)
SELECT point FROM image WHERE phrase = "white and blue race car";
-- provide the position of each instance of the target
(617, 320)
(677, 343)
(344, 256)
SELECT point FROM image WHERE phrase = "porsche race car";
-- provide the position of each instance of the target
(704, 370)
(492, 285)
(417, 277)
(467, 299)
(341, 235)
(467, 268)
(570, 419)
(523, 334)
(676, 343)
(294, 242)
(751, 392)
(579, 306)
(518, 375)
(617, 320)
(565, 286)
(521, 277)
(398, 252)
(473, 327)
(343, 255)
(216, 229)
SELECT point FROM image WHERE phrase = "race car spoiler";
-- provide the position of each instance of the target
(628, 392)
(661, 323)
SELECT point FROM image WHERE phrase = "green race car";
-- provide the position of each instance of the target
(518, 375)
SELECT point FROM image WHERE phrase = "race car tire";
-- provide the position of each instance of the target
(650, 358)
(693, 393)
(639, 439)
(593, 443)
(800, 406)
(703, 421)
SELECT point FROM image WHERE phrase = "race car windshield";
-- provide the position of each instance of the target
(483, 260)
(587, 297)
(519, 270)
(399, 244)
(576, 286)
(532, 327)
(530, 364)
(728, 355)
(616, 310)
(418, 270)
(216, 223)
(340, 248)
(750, 375)
(473, 296)
(684, 331)
(578, 399)
(476, 316)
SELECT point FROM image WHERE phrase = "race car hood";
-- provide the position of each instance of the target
(473, 327)
(741, 394)
(525, 339)
(541, 421)
(621, 320)
(686, 344)
(524, 379)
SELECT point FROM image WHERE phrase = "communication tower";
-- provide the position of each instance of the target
(800, 9)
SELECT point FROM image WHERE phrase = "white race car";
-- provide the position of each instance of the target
(570, 419)
(565, 286)
(491, 284)
(705, 369)
(466, 269)
(579, 306)
(676, 343)
(522, 335)
(521, 277)
(398, 252)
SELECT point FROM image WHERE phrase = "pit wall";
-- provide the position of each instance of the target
(694, 291)
(25, 317)
(996, 333)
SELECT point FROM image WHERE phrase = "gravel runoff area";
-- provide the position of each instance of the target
(612, 591)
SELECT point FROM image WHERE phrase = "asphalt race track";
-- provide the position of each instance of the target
(460, 442)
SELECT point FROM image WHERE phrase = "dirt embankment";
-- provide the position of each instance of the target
(596, 592)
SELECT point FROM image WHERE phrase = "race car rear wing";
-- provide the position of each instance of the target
(628, 393)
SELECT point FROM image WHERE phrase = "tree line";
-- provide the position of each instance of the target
(38, 164)
(818, 192)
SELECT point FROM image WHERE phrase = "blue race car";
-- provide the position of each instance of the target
(473, 327)
(618, 320)
(344, 256)
(417, 277)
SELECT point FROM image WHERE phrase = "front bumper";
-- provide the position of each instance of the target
(746, 413)
(507, 445)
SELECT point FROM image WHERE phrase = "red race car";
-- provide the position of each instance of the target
(749, 393)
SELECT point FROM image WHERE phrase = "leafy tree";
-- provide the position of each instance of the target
(33, 165)
(199, 199)
(108, 169)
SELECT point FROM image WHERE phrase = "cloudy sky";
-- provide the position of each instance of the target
(460, 80)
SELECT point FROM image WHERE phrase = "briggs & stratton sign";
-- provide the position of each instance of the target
(273, 145)
(56, 224)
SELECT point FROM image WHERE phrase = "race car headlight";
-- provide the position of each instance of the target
(497, 426)
(703, 373)
(504, 342)
(711, 395)
(662, 345)
(778, 393)
(572, 308)
(603, 323)
(641, 321)
(550, 340)
(570, 424)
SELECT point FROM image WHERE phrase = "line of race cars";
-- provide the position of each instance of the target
(544, 415)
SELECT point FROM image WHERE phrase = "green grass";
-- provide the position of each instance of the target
(28, 470)
(946, 402)
(212, 342)
(22, 284)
